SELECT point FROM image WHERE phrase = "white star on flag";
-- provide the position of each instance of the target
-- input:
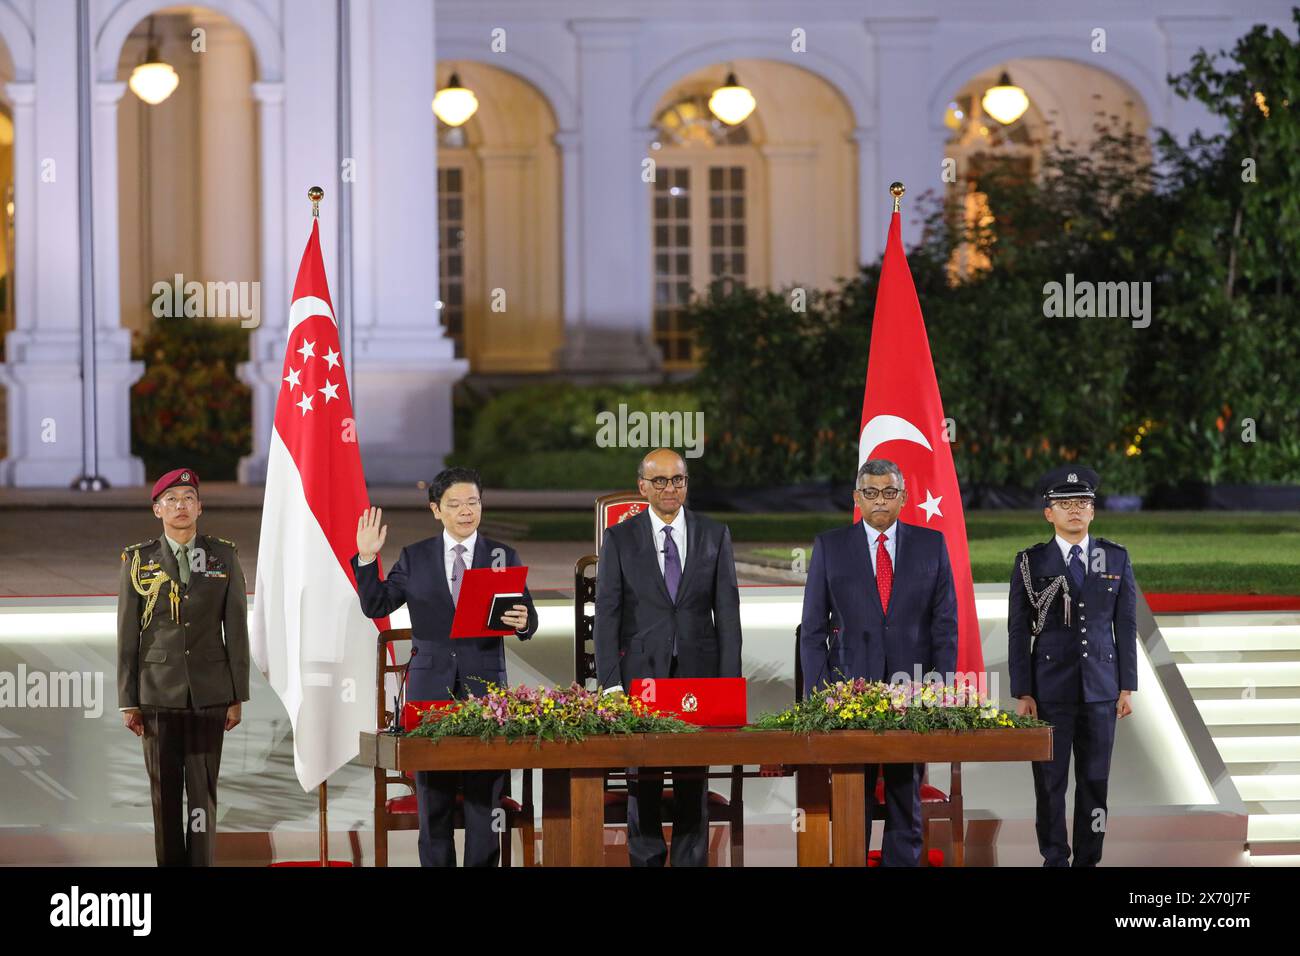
(307, 632)
(931, 505)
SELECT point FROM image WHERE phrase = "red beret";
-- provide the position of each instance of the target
(181, 476)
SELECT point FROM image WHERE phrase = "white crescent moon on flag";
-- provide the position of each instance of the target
(885, 428)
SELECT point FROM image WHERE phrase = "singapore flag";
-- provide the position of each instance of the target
(902, 420)
(308, 635)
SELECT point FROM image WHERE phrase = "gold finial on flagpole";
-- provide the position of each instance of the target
(315, 194)
(897, 190)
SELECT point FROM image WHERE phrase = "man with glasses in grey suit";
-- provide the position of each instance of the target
(667, 605)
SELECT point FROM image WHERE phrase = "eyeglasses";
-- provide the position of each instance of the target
(467, 503)
(660, 483)
(871, 494)
(1073, 504)
(171, 502)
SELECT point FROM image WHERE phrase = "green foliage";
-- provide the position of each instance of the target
(545, 436)
(778, 388)
(570, 713)
(189, 408)
(921, 708)
(1146, 406)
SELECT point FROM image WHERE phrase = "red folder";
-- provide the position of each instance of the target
(704, 701)
(477, 589)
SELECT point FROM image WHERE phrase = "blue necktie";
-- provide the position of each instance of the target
(1075, 568)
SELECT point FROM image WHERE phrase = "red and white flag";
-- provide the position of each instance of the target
(307, 634)
(903, 421)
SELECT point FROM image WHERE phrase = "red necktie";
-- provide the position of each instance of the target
(884, 573)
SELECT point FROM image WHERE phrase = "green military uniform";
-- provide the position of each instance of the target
(183, 659)
(179, 642)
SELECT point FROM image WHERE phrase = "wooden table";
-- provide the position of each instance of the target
(828, 771)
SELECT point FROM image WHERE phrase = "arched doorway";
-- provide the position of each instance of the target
(189, 207)
(769, 202)
(1068, 101)
(499, 223)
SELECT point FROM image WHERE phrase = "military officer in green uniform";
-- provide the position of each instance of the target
(182, 665)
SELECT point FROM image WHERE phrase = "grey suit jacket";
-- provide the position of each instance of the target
(636, 621)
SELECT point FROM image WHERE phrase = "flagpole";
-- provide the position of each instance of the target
(324, 829)
(316, 194)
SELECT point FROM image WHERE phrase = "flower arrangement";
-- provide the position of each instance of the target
(863, 705)
(559, 713)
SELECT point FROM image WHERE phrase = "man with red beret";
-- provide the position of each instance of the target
(182, 665)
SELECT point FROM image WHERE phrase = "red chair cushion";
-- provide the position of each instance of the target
(407, 804)
(929, 794)
(936, 858)
(401, 804)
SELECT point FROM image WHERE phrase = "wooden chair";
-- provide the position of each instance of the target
(399, 813)
(728, 809)
(935, 804)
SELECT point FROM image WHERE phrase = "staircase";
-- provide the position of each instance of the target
(1243, 671)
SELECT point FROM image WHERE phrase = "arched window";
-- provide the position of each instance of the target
(704, 217)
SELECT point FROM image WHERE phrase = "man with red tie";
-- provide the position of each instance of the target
(880, 604)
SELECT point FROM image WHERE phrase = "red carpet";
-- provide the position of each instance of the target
(1173, 603)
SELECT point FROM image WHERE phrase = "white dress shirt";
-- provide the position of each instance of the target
(449, 554)
(1065, 547)
(891, 544)
(678, 524)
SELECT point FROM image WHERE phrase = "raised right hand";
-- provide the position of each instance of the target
(1026, 706)
(370, 534)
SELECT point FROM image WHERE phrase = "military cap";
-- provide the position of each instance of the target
(1068, 481)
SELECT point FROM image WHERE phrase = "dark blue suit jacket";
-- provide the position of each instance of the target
(419, 580)
(845, 633)
(1095, 657)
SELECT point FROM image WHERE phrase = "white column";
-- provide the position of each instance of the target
(908, 146)
(266, 345)
(43, 371)
(871, 212)
(612, 333)
(502, 339)
(405, 365)
(115, 372)
(227, 181)
(792, 231)
(571, 223)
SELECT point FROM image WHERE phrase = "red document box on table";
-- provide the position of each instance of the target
(413, 711)
(477, 590)
(704, 701)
